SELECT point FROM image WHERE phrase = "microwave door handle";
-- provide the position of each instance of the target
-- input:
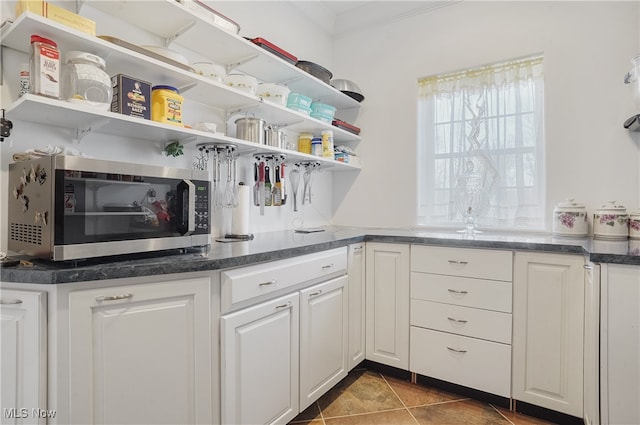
(187, 207)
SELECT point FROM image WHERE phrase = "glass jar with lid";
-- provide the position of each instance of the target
(85, 80)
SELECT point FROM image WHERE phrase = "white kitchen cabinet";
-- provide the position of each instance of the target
(356, 294)
(259, 362)
(323, 338)
(284, 335)
(548, 331)
(620, 344)
(232, 50)
(387, 304)
(460, 318)
(23, 350)
(592, 344)
(141, 353)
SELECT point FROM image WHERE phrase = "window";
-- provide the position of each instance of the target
(480, 146)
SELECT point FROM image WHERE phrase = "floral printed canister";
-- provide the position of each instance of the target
(634, 225)
(611, 222)
(570, 219)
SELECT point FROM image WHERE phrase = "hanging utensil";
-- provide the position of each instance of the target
(306, 177)
(294, 175)
(234, 163)
(284, 186)
(311, 172)
(261, 187)
(256, 185)
(228, 190)
(218, 194)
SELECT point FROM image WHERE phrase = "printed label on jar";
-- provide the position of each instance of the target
(49, 71)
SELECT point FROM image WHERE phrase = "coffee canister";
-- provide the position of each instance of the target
(570, 219)
(611, 222)
(251, 129)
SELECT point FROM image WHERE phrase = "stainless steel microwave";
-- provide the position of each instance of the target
(67, 207)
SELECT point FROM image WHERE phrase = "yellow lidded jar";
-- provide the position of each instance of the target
(166, 105)
(304, 143)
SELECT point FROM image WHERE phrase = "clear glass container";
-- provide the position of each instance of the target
(85, 80)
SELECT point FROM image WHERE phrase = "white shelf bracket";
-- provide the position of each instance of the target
(169, 40)
(186, 87)
(95, 125)
(240, 61)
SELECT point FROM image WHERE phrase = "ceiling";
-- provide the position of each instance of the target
(343, 16)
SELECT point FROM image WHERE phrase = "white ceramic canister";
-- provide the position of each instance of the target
(634, 225)
(570, 219)
(611, 222)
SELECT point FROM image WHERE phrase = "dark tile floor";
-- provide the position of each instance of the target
(371, 398)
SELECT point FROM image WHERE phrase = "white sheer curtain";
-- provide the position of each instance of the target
(490, 120)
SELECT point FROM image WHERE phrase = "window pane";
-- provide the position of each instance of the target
(441, 171)
(442, 138)
(501, 120)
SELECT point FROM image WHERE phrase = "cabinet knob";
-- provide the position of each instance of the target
(114, 297)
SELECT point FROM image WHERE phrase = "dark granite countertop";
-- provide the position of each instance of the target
(270, 246)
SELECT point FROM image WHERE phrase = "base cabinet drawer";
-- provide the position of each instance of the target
(473, 322)
(249, 285)
(470, 362)
(466, 262)
(464, 291)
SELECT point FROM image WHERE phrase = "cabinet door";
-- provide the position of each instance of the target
(356, 265)
(323, 338)
(141, 353)
(548, 322)
(387, 308)
(592, 344)
(259, 363)
(23, 351)
(620, 344)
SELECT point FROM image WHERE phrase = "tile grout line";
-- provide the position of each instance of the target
(399, 398)
(501, 414)
(320, 410)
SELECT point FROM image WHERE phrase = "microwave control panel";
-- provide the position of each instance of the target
(202, 207)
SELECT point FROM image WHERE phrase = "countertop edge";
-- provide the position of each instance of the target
(51, 273)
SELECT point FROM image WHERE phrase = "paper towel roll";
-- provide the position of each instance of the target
(240, 217)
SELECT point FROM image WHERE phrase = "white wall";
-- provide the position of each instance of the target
(587, 48)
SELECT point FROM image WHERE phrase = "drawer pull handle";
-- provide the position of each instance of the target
(114, 297)
(456, 320)
(328, 266)
(588, 267)
(358, 248)
(10, 302)
(281, 306)
(315, 294)
(455, 291)
(461, 263)
(271, 282)
(456, 350)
